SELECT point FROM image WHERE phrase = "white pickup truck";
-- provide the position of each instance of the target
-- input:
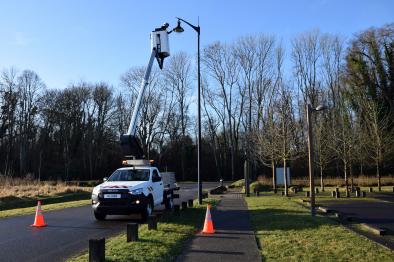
(136, 188)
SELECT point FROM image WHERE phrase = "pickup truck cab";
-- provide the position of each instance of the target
(133, 189)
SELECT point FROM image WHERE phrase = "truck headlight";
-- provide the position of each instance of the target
(96, 191)
(137, 191)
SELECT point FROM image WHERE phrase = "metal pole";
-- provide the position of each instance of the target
(310, 158)
(199, 120)
(199, 183)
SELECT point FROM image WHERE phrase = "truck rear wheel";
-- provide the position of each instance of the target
(169, 203)
(99, 216)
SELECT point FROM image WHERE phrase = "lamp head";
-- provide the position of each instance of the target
(178, 28)
(320, 108)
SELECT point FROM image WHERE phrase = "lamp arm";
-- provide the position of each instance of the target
(196, 28)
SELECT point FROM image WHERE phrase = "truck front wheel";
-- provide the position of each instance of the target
(148, 210)
(99, 216)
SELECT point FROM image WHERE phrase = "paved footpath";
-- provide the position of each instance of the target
(234, 239)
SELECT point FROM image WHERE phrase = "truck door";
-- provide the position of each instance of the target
(158, 188)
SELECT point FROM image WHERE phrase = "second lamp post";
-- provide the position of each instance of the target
(179, 29)
(311, 157)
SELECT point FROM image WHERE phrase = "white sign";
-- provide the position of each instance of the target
(280, 176)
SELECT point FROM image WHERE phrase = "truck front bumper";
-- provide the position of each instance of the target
(128, 204)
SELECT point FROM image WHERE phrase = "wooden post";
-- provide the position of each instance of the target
(177, 208)
(334, 193)
(152, 222)
(317, 190)
(370, 190)
(338, 194)
(97, 250)
(190, 202)
(184, 205)
(131, 232)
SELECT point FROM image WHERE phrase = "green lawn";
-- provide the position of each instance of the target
(20, 207)
(286, 232)
(163, 244)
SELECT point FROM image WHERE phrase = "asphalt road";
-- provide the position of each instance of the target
(68, 231)
(377, 213)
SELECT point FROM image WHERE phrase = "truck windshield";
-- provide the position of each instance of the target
(130, 175)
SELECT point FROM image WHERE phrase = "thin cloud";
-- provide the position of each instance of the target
(21, 39)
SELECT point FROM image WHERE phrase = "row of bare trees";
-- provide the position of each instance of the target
(254, 97)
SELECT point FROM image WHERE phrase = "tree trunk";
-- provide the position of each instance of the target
(273, 175)
(39, 166)
(285, 177)
(345, 173)
(183, 158)
(232, 164)
(378, 175)
(351, 176)
(321, 179)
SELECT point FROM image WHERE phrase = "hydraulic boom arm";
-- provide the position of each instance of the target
(160, 49)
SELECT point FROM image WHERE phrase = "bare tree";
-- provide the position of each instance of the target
(221, 64)
(9, 99)
(29, 88)
(177, 75)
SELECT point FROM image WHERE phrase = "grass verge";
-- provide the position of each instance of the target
(287, 232)
(163, 244)
(19, 208)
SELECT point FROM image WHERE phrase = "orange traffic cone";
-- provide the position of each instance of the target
(208, 224)
(39, 219)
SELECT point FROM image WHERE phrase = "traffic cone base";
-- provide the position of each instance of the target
(208, 223)
(39, 218)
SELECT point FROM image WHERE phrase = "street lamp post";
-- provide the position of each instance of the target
(179, 29)
(311, 158)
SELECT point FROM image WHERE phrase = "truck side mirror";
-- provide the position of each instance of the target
(105, 179)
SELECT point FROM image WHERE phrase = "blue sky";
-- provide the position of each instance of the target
(66, 41)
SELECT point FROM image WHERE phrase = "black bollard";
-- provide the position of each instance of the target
(190, 202)
(333, 193)
(307, 194)
(257, 193)
(97, 250)
(184, 205)
(131, 232)
(152, 222)
(358, 192)
(364, 194)
(370, 190)
(317, 190)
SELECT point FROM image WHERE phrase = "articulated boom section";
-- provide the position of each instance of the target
(131, 147)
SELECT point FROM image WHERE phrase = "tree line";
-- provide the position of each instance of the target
(254, 95)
